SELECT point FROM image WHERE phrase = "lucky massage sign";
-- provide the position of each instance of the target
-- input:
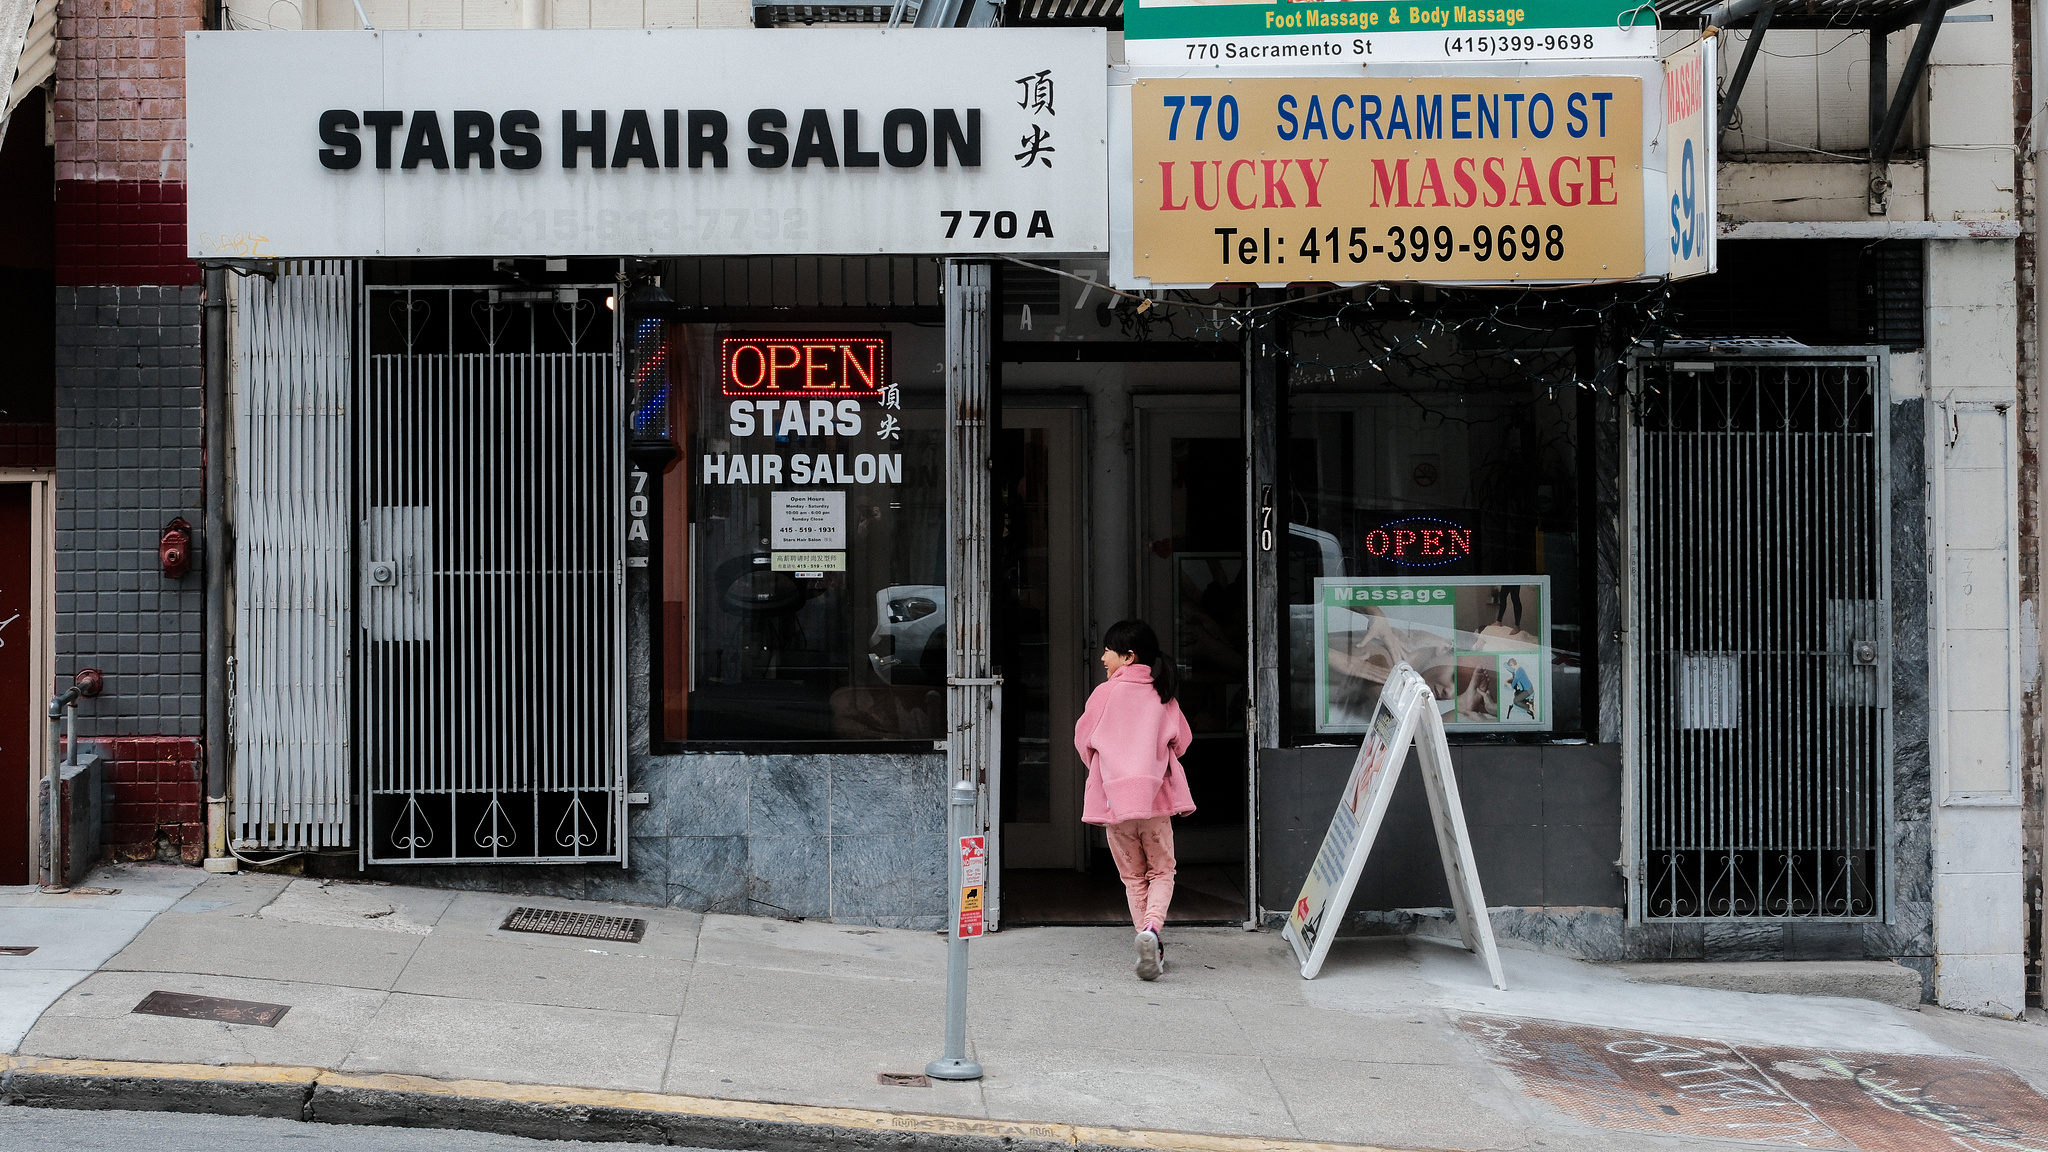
(1528, 179)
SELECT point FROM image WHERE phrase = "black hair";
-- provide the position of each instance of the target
(1135, 638)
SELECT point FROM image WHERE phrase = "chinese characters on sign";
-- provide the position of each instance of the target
(1037, 98)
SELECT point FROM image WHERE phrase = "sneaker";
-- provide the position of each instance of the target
(1148, 954)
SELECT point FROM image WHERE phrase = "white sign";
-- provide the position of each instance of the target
(652, 142)
(1692, 153)
(1407, 710)
(805, 521)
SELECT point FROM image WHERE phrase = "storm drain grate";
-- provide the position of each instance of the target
(582, 924)
(189, 1007)
(903, 1080)
(16, 949)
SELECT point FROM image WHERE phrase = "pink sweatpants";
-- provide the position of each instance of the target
(1143, 850)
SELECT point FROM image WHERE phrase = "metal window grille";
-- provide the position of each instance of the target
(491, 664)
(293, 373)
(1759, 522)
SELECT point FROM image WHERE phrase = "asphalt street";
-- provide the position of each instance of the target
(55, 1130)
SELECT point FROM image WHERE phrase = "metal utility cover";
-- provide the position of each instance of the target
(16, 949)
(189, 1007)
(581, 924)
(903, 1080)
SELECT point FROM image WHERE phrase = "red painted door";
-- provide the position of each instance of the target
(17, 662)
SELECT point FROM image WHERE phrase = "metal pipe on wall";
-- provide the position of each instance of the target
(214, 555)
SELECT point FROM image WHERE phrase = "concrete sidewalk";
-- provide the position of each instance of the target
(1400, 1042)
(73, 933)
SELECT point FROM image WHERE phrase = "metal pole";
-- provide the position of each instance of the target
(54, 841)
(955, 1065)
(214, 555)
(61, 708)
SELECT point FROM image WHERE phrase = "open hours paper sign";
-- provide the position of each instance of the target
(1517, 180)
(1194, 33)
(1405, 717)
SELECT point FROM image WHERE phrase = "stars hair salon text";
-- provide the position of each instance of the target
(767, 138)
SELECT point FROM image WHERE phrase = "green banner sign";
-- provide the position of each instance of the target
(1183, 32)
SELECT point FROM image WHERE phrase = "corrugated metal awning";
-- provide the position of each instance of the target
(28, 51)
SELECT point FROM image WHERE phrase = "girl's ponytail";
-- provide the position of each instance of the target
(1136, 638)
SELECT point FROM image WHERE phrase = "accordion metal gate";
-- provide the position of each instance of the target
(294, 372)
(1761, 624)
(490, 575)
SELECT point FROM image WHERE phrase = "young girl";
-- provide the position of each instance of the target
(1131, 737)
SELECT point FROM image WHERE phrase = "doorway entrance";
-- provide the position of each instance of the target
(25, 675)
(1059, 585)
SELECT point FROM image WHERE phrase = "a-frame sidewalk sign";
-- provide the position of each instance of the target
(1407, 714)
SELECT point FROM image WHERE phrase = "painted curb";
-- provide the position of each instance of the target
(559, 1113)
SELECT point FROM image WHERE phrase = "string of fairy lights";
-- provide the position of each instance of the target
(1419, 340)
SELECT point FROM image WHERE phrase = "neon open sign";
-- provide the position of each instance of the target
(803, 365)
(1420, 542)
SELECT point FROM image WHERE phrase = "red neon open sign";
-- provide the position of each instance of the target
(803, 365)
(1420, 542)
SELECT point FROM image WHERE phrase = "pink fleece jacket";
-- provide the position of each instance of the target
(1132, 745)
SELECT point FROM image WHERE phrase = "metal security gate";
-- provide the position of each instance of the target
(1761, 636)
(490, 575)
(293, 373)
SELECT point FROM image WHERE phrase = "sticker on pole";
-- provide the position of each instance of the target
(973, 877)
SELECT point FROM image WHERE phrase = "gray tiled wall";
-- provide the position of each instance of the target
(128, 460)
(1545, 822)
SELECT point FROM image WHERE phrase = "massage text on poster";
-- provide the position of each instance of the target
(1473, 179)
(1198, 33)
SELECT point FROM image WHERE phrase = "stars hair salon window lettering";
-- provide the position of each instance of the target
(802, 545)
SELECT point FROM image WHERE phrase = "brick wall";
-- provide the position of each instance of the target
(153, 809)
(128, 412)
(121, 89)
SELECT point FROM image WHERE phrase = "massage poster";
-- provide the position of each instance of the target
(1481, 643)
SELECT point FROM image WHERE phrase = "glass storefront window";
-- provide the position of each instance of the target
(803, 561)
(1433, 518)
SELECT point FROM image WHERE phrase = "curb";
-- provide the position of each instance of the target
(318, 1095)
